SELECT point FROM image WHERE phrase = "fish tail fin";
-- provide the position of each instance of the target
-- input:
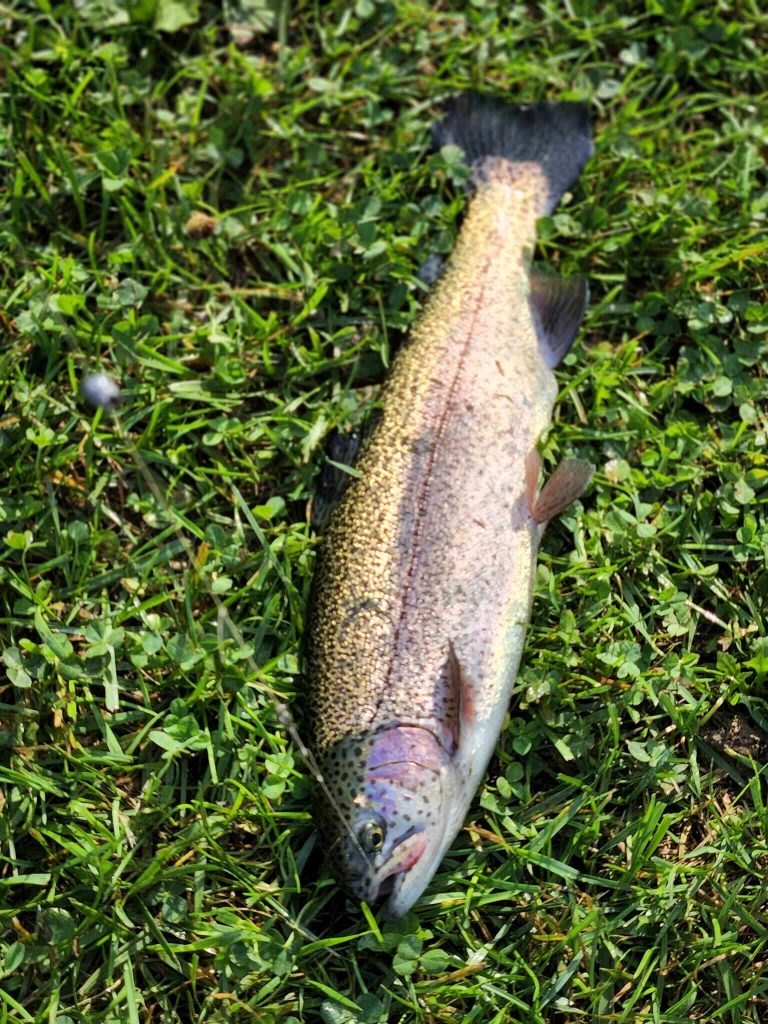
(496, 135)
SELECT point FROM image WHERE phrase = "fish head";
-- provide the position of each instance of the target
(387, 815)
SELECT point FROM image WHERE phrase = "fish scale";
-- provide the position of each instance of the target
(369, 574)
(423, 586)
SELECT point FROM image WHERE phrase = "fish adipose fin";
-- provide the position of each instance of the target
(567, 483)
(555, 136)
(558, 305)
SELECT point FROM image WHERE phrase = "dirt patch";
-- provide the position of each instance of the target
(734, 732)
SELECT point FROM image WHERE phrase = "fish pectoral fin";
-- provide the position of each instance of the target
(567, 483)
(460, 699)
(558, 305)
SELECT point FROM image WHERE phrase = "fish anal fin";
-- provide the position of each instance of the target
(558, 305)
(567, 483)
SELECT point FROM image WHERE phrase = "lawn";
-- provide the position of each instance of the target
(226, 207)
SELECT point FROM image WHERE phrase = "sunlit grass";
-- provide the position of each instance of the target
(157, 857)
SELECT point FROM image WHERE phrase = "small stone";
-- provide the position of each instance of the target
(102, 392)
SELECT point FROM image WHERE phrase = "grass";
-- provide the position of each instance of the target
(157, 859)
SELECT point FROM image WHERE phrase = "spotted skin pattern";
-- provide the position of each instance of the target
(463, 378)
(432, 550)
(378, 771)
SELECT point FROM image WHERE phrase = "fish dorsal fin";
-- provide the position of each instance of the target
(431, 269)
(336, 474)
(567, 483)
(558, 304)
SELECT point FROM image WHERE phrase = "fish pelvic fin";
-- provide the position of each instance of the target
(496, 135)
(460, 688)
(567, 483)
(558, 305)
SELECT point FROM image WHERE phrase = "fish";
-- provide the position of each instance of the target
(423, 584)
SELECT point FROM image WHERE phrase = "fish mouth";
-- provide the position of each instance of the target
(407, 852)
(407, 881)
(386, 888)
(377, 884)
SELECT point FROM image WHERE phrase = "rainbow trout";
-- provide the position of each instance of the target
(422, 592)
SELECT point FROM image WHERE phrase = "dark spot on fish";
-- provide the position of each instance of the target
(367, 604)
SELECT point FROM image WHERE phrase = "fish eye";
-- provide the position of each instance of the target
(371, 833)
